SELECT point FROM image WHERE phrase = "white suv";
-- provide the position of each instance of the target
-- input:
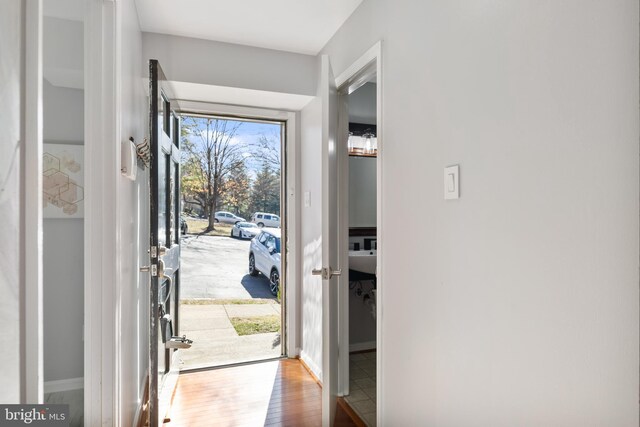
(263, 219)
(264, 257)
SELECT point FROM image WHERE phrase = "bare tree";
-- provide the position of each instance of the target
(211, 155)
(267, 150)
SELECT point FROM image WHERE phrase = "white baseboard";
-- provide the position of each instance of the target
(311, 364)
(64, 385)
(362, 346)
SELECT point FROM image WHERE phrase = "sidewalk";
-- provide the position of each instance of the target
(215, 341)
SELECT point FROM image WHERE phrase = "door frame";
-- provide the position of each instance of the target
(369, 64)
(102, 284)
(30, 187)
(291, 224)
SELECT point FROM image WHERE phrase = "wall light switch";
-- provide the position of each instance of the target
(307, 199)
(452, 182)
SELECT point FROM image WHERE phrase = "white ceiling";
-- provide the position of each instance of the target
(302, 26)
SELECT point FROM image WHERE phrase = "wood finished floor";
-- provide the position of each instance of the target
(274, 393)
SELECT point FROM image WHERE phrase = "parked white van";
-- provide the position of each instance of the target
(262, 219)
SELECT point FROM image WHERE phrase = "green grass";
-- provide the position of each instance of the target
(256, 325)
(211, 301)
(197, 226)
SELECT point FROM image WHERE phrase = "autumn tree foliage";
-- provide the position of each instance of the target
(210, 157)
(236, 190)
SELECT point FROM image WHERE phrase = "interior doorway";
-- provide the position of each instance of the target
(359, 309)
(233, 240)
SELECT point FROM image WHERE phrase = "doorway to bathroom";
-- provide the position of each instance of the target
(232, 240)
(360, 227)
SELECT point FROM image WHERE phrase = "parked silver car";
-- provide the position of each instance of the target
(227, 217)
(244, 230)
(264, 257)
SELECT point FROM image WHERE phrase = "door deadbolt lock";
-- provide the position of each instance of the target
(326, 272)
(157, 251)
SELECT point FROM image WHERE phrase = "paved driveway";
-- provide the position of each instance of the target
(217, 267)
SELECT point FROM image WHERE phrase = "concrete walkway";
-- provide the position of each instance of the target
(215, 341)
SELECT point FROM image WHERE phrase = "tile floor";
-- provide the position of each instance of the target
(75, 400)
(362, 386)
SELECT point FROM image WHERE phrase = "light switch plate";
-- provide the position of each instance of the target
(452, 182)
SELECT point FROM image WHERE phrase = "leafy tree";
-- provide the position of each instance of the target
(236, 190)
(192, 189)
(265, 192)
(210, 155)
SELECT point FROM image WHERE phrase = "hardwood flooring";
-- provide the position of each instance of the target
(274, 393)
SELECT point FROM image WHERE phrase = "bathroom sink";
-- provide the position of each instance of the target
(364, 261)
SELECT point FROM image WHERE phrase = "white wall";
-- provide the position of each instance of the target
(311, 235)
(63, 113)
(362, 192)
(62, 54)
(11, 122)
(518, 303)
(63, 239)
(133, 225)
(63, 245)
(63, 294)
(192, 60)
(362, 104)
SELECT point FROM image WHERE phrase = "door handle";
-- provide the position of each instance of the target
(326, 273)
(164, 272)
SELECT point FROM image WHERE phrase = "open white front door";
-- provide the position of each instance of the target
(330, 257)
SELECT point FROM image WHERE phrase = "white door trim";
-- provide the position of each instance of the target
(373, 54)
(292, 162)
(349, 80)
(32, 389)
(101, 206)
(344, 347)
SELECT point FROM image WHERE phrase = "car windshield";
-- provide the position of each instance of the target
(247, 225)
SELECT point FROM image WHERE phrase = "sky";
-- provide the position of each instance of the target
(249, 134)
